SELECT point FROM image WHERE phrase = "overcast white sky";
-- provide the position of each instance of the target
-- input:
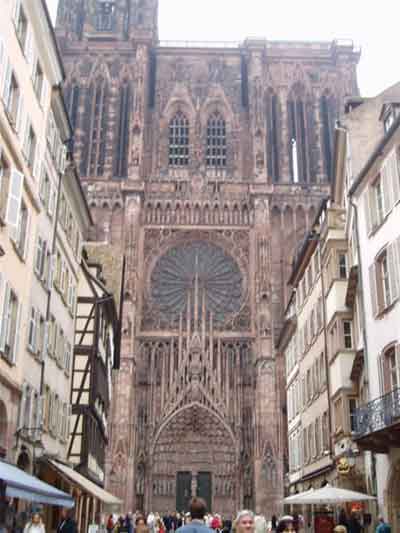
(374, 25)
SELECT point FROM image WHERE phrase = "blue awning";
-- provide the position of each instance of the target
(19, 484)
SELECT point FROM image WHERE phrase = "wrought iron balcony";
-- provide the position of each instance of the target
(377, 424)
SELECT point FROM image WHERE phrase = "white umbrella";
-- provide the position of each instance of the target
(293, 497)
(329, 495)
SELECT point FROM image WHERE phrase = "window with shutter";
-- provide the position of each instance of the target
(32, 330)
(394, 278)
(386, 180)
(9, 324)
(373, 289)
(347, 334)
(41, 336)
(22, 406)
(21, 25)
(21, 235)
(28, 408)
(12, 98)
(378, 199)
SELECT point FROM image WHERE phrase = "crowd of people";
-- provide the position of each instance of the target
(198, 521)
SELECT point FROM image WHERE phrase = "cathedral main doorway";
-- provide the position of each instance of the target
(188, 483)
(194, 455)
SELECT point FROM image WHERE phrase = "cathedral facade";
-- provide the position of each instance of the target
(204, 164)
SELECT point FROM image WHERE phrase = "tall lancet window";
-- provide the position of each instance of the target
(179, 140)
(328, 118)
(216, 141)
(273, 135)
(298, 137)
(73, 105)
(105, 15)
(95, 129)
(121, 156)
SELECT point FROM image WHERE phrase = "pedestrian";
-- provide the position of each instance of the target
(141, 525)
(198, 510)
(260, 523)
(343, 519)
(244, 522)
(383, 527)
(226, 525)
(129, 522)
(216, 523)
(35, 524)
(274, 523)
(354, 524)
(340, 529)
(67, 523)
(110, 524)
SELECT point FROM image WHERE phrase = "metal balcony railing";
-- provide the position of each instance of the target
(377, 415)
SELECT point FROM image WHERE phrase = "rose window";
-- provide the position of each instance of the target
(197, 272)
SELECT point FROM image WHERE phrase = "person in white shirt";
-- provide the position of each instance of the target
(35, 525)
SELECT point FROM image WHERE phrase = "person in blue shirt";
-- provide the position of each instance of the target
(382, 527)
(198, 511)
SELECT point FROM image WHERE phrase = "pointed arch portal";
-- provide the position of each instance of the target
(194, 453)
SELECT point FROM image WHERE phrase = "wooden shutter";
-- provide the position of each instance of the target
(5, 89)
(45, 92)
(25, 244)
(22, 406)
(397, 348)
(40, 414)
(367, 210)
(373, 289)
(45, 341)
(2, 300)
(20, 120)
(396, 248)
(394, 279)
(29, 51)
(52, 199)
(394, 163)
(386, 187)
(3, 63)
(32, 327)
(4, 315)
(17, 336)
(26, 142)
(16, 9)
(38, 161)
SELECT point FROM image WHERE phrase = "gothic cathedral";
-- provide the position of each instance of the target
(204, 164)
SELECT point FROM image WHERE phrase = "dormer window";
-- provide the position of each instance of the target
(389, 113)
(105, 16)
(388, 122)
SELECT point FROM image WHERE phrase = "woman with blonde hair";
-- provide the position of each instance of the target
(244, 522)
(35, 524)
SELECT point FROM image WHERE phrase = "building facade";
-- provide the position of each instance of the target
(372, 182)
(205, 164)
(30, 67)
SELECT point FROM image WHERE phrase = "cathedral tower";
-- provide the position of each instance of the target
(206, 165)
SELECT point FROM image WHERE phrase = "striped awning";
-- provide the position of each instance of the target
(19, 484)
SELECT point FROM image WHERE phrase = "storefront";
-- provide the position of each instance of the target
(16, 485)
(92, 503)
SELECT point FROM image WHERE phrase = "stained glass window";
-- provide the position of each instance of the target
(216, 141)
(179, 140)
(218, 275)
